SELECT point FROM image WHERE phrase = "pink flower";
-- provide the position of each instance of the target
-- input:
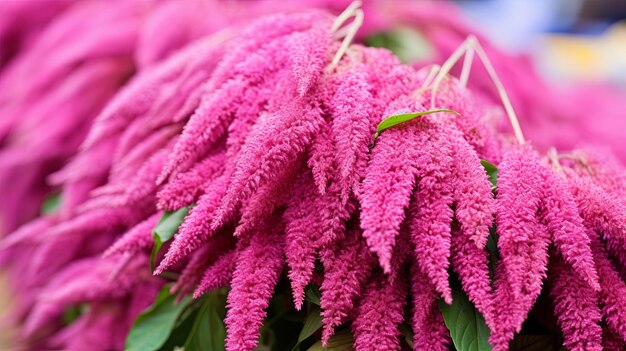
(560, 213)
(380, 312)
(185, 188)
(431, 211)
(524, 248)
(352, 112)
(257, 269)
(312, 221)
(217, 275)
(389, 181)
(286, 136)
(137, 239)
(347, 266)
(471, 263)
(509, 310)
(576, 308)
(429, 330)
(196, 227)
(602, 212)
(612, 294)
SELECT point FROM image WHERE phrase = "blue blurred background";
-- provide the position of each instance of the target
(569, 39)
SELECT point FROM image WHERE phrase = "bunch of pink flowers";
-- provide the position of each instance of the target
(268, 134)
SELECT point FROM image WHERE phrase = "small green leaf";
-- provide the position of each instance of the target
(169, 223)
(71, 313)
(51, 203)
(165, 230)
(341, 341)
(467, 327)
(405, 42)
(155, 251)
(153, 326)
(492, 171)
(405, 117)
(208, 332)
(312, 324)
(313, 295)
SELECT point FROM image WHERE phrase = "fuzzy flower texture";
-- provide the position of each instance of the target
(271, 144)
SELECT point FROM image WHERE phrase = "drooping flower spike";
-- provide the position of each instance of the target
(576, 308)
(257, 269)
(529, 219)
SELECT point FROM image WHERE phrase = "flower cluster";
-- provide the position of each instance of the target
(269, 135)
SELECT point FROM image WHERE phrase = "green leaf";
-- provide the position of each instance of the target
(51, 203)
(405, 117)
(153, 326)
(405, 42)
(467, 327)
(208, 332)
(313, 295)
(165, 230)
(492, 171)
(312, 324)
(169, 223)
(181, 331)
(155, 251)
(341, 341)
(71, 313)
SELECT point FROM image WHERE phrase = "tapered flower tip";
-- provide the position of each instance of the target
(523, 240)
(347, 267)
(379, 314)
(185, 188)
(576, 308)
(302, 233)
(217, 275)
(257, 269)
(196, 227)
(471, 264)
(192, 272)
(429, 330)
(136, 239)
(310, 55)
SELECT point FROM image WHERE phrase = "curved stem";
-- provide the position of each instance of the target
(503, 95)
(354, 27)
(345, 15)
(467, 67)
(447, 66)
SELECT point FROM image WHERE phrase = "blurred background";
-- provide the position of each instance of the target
(569, 39)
